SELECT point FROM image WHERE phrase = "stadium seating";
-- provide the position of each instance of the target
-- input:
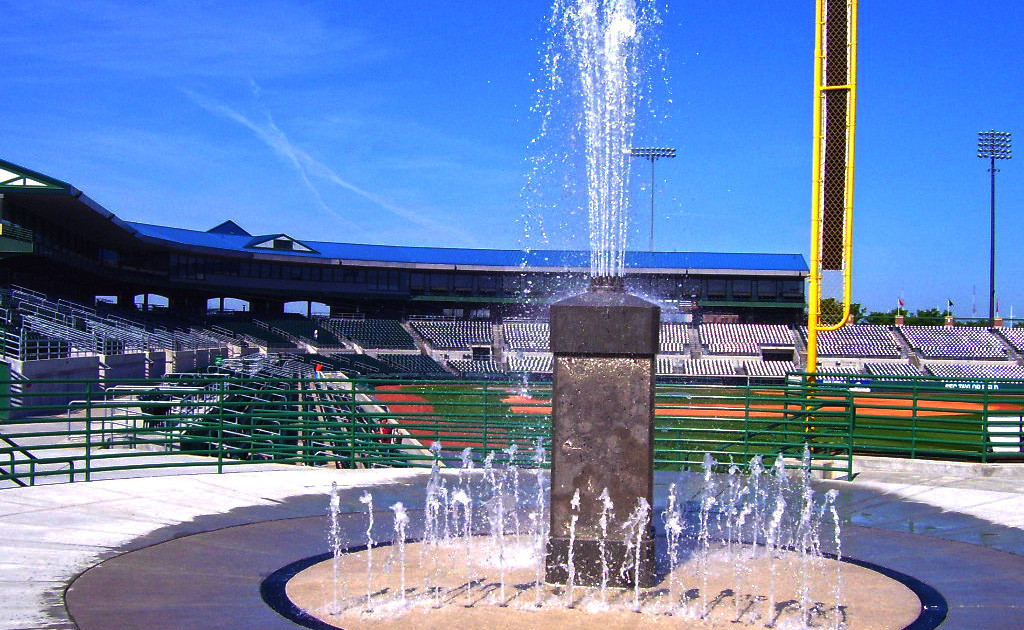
(413, 364)
(673, 338)
(254, 333)
(743, 339)
(454, 335)
(533, 364)
(469, 368)
(705, 367)
(976, 370)
(308, 330)
(372, 332)
(769, 369)
(857, 340)
(1013, 336)
(953, 342)
(36, 327)
(891, 369)
(527, 336)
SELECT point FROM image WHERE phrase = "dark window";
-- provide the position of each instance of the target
(767, 289)
(792, 289)
(716, 288)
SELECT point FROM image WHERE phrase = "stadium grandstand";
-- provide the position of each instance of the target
(76, 282)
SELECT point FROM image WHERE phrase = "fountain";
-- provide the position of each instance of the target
(747, 550)
(599, 547)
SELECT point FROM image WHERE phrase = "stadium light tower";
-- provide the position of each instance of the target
(993, 145)
(652, 154)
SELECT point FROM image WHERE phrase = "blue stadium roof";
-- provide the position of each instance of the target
(556, 259)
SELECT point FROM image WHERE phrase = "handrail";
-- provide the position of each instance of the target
(224, 420)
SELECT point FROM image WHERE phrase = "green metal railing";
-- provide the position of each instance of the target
(74, 430)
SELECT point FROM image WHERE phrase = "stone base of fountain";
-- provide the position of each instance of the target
(780, 590)
(588, 566)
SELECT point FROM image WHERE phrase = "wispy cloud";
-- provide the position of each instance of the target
(306, 166)
(273, 137)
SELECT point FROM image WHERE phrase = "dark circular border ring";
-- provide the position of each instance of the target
(934, 606)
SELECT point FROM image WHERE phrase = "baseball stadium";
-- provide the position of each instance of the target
(129, 345)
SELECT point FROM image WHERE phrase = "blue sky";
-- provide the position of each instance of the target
(407, 123)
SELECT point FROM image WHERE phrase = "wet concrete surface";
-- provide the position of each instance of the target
(191, 551)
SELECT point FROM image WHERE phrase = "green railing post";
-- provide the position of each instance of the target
(914, 404)
(351, 430)
(851, 415)
(88, 431)
(985, 413)
(487, 424)
(220, 426)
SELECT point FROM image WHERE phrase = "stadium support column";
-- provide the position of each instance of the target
(604, 344)
(186, 303)
(267, 307)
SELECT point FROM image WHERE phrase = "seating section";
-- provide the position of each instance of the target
(891, 369)
(743, 339)
(673, 338)
(527, 336)
(412, 364)
(253, 332)
(536, 364)
(35, 326)
(769, 369)
(705, 367)
(1013, 336)
(839, 369)
(953, 342)
(857, 340)
(454, 335)
(308, 330)
(470, 368)
(373, 332)
(976, 370)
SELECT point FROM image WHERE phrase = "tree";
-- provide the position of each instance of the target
(831, 311)
(882, 318)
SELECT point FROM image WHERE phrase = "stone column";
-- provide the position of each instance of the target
(604, 343)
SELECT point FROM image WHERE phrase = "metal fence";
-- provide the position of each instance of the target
(74, 430)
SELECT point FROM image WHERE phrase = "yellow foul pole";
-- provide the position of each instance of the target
(835, 80)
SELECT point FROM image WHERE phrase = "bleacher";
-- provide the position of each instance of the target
(857, 340)
(413, 364)
(743, 339)
(663, 366)
(252, 332)
(672, 338)
(705, 367)
(769, 369)
(1013, 336)
(372, 332)
(470, 368)
(308, 330)
(976, 370)
(35, 326)
(527, 336)
(454, 334)
(356, 364)
(533, 364)
(880, 368)
(953, 342)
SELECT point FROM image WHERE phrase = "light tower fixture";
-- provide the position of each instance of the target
(993, 145)
(653, 154)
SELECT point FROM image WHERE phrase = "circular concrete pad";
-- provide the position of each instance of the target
(457, 585)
